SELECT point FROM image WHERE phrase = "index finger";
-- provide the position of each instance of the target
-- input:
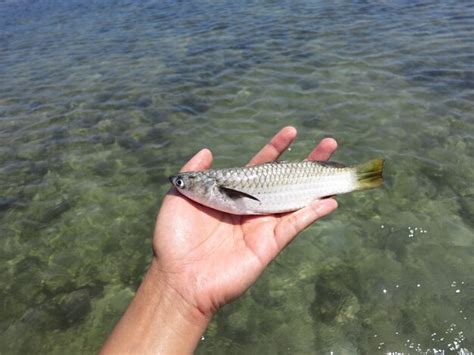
(277, 145)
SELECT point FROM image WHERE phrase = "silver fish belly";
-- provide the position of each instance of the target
(275, 187)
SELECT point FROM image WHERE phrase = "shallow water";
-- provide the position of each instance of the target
(100, 102)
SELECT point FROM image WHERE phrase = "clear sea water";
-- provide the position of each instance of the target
(100, 101)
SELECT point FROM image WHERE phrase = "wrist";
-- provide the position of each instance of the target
(159, 320)
(172, 299)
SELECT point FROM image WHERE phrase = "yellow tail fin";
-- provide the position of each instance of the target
(369, 174)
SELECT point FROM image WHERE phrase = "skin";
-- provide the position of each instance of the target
(204, 259)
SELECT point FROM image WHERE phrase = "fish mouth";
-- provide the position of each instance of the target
(172, 178)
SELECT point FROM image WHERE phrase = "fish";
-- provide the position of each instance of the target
(275, 187)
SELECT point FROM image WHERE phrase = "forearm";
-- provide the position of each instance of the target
(157, 321)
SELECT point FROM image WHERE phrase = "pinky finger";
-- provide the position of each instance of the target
(292, 224)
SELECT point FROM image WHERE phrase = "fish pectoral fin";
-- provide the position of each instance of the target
(235, 194)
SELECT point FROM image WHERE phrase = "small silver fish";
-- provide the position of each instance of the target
(275, 187)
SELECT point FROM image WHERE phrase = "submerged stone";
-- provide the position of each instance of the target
(55, 211)
(75, 306)
(43, 317)
(155, 134)
(8, 202)
(307, 84)
(129, 142)
(192, 105)
(105, 167)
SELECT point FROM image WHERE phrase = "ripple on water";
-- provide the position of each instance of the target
(100, 102)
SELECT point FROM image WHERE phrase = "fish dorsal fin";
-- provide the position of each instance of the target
(275, 162)
(235, 194)
(331, 164)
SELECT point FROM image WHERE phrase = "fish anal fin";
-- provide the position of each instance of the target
(235, 194)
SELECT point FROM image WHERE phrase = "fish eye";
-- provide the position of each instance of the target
(179, 183)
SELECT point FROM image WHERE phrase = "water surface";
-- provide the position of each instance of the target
(101, 101)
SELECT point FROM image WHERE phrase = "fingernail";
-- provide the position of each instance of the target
(200, 152)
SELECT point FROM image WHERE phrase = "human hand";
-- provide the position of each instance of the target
(210, 257)
(205, 258)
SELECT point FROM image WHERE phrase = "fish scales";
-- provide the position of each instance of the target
(275, 187)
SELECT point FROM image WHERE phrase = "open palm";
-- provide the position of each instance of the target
(211, 257)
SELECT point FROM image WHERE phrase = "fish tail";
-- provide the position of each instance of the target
(369, 174)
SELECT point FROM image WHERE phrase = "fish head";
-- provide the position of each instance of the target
(206, 187)
(203, 187)
(196, 185)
